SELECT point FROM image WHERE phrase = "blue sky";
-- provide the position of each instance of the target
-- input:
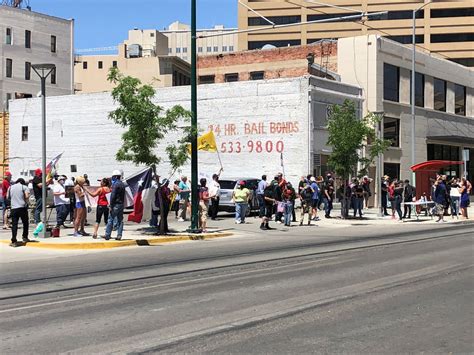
(102, 23)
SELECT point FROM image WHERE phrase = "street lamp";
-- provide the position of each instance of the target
(43, 71)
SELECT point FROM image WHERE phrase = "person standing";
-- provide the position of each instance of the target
(306, 196)
(408, 194)
(117, 202)
(367, 192)
(455, 197)
(384, 189)
(241, 197)
(270, 201)
(204, 198)
(86, 180)
(328, 196)
(262, 185)
(165, 195)
(184, 193)
(214, 194)
(37, 192)
(18, 195)
(439, 198)
(357, 198)
(175, 198)
(398, 198)
(61, 202)
(80, 218)
(464, 200)
(278, 195)
(6, 183)
(102, 209)
(315, 198)
(289, 196)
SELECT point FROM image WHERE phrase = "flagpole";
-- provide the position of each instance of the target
(282, 165)
(220, 161)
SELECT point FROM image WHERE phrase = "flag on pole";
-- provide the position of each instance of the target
(51, 168)
(140, 187)
(206, 142)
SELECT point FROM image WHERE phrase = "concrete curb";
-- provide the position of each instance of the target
(123, 243)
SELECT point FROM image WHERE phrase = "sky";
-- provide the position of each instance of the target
(103, 23)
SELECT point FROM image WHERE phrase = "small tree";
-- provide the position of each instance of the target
(347, 134)
(147, 124)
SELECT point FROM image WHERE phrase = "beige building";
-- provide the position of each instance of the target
(144, 55)
(179, 40)
(445, 28)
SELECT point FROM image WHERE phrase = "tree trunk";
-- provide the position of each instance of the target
(161, 225)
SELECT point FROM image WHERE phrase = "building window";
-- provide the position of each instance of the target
(178, 50)
(460, 101)
(319, 17)
(467, 62)
(84, 65)
(231, 77)
(24, 133)
(231, 48)
(8, 98)
(277, 20)
(9, 68)
(452, 37)
(458, 12)
(407, 39)
(185, 49)
(200, 49)
(8, 38)
(403, 15)
(53, 76)
(114, 64)
(73, 168)
(152, 34)
(207, 79)
(100, 64)
(444, 152)
(439, 95)
(257, 75)
(391, 130)
(216, 49)
(391, 82)
(53, 44)
(392, 170)
(279, 43)
(224, 48)
(27, 70)
(27, 39)
(170, 50)
(419, 89)
(209, 49)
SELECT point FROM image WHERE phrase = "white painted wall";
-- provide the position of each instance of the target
(78, 126)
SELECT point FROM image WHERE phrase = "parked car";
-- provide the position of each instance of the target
(227, 188)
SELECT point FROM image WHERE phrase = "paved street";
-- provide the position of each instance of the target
(350, 290)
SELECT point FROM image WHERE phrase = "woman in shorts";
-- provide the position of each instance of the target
(80, 217)
(102, 204)
(203, 205)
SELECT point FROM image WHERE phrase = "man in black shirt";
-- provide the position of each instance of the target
(117, 204)
(384, 188)
(37, 192)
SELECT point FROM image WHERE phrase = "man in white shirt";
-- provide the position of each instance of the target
(61, 202)
(214, 194)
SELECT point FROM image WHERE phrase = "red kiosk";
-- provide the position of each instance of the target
(426, 171)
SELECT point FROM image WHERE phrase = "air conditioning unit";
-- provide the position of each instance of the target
(134, 51)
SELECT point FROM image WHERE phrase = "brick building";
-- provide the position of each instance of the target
(270, 63)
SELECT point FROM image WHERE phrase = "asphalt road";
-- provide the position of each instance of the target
(362, 292)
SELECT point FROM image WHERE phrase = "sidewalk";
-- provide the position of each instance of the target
(143, 235)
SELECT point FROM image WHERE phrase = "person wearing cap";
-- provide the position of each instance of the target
(117, 204)
(241, 197)
(5, 186)
(37, 192)
(315, 198)
(102, 203)
(18, 194)
(61, 201)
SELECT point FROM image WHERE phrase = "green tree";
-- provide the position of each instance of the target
(347, 135)
(147, 124)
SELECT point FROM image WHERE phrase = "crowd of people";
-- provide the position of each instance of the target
(277, 200)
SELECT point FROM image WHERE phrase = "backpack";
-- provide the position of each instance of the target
(306, 194)
(268, 192)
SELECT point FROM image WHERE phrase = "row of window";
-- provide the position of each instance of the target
(100, 64)
(9, 39)
(391, 90)
(390, 15)
(209, 49)
(9, 71)
(230, 77)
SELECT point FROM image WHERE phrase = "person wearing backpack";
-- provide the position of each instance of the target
(306, 196)
(270, 201)
(18, 195)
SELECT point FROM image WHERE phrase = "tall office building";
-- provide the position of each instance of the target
(28, 38)
(445, 28)
(179, 40)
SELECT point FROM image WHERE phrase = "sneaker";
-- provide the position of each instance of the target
(180, 220)
(279, 222)
(26, 240)
(262, 227)
(84, 234)
(105, 237)
(77, 234)
(118, 238)
(15, 244)
(237, 222)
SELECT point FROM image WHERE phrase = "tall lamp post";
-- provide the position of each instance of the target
(194, 128)
(43, 71)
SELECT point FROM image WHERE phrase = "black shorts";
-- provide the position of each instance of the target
(314, 203)
(102, 211)
(268, 210)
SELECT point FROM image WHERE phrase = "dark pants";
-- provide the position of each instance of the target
(17, 214)
(407, 210)
(175, 207)
(38, 209)
(327, 206)
(357, 203)
(398, 206)
(214, 208)
(261, 205)
(61, 214)
(164, 218)
(384, 203)
(72, 207)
